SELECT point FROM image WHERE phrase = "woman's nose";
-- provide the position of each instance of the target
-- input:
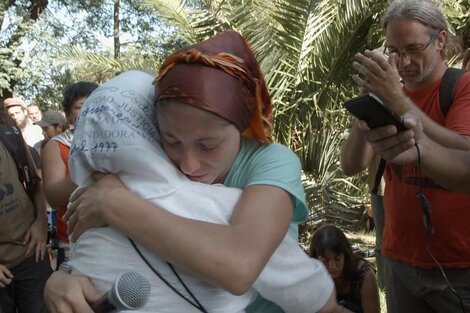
(332, 265)
(189, 162)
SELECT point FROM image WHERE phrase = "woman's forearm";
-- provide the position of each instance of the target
(229, 256)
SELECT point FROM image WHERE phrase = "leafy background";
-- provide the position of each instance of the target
(305, 49)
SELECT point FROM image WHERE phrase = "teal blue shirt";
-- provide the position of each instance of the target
(275, 165)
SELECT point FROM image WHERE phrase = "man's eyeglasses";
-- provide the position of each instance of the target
(412, 51)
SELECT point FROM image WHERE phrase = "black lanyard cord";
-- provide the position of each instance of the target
(429, 229)
(197, 305)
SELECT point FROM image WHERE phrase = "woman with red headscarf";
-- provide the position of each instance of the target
(214, 117)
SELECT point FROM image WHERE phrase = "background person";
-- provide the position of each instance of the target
(355, 284)
(34, 113)
(16, 108)
(24, 269)
(376, 189)
(57, 184)
(52, 123)
(416, 39)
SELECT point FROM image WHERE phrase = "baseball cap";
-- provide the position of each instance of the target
(52, 118)
(11, 102)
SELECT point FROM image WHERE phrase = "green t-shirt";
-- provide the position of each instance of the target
(269, 164)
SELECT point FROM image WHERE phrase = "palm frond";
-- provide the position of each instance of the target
(101, 66)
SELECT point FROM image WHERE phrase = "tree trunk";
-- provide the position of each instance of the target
(117, 44)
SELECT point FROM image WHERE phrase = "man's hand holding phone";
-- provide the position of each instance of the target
(397, 147)
(370, 108)
(391, 136)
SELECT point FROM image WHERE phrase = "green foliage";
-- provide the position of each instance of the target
(305, 48)
(47, 53)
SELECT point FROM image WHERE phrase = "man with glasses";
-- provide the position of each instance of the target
(409, 80)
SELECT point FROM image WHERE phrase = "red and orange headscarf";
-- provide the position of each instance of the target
(220, 75)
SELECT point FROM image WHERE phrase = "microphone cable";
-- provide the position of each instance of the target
(195, 304)
(429, 228)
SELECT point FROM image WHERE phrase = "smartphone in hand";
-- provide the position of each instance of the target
(371, 109)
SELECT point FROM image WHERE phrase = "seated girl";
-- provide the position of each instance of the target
(355, 282)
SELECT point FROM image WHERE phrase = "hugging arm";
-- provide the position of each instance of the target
(229, 256)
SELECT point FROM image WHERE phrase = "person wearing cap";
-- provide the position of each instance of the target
(52, 123)
(214, 115)
(34, 112)
(16, 108)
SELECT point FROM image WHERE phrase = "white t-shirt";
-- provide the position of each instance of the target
(116, 133)
(32, 134)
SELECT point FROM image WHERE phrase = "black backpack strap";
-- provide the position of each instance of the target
(378, 176)
(447, 89)
(13, 141)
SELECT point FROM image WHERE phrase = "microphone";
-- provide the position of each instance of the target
(130, 291)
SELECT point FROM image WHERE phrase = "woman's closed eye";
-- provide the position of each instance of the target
(171, 143)
(207, 146)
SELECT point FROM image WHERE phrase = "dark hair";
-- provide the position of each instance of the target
(74, 92)
(330, 237)
(6, 119)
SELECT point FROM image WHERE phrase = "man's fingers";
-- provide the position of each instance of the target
(76, 194)
(362, 69)
(76, 233)
(71, 223)
(40, 251)
(6, 272)
(376, 61)
(402, 140)
(91, 293)
(360, 81)
(27, 237)
(29, 244)
(5, 282)
(398, 149)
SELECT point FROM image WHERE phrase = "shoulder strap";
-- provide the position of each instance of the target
(447, 89)
(378, 176)
(13, 141)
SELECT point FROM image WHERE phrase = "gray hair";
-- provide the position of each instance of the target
(426, 12)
